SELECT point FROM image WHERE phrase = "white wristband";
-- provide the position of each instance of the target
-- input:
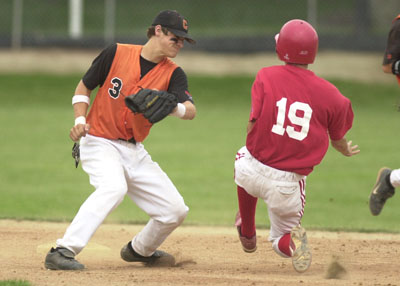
(180, 110)
(80, 120)
(80, 98)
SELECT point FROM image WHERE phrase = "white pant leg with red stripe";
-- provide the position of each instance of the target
(283, 192)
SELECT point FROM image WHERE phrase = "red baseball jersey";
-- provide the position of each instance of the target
(295, 113)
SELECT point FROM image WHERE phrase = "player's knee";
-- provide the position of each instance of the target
(177, 214)
(114, 194)
(180, 213)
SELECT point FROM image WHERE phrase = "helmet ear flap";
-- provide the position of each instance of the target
(297, 42)
(277, 47)
(276, 43)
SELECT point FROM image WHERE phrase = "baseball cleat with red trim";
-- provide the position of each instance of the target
(248, 244)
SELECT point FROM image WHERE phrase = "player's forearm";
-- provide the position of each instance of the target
(190, 111)
(340, 145)
(80, 103)
(345, 147)
(80, 128)
(392, 68)
(79, 100)
(80, 109)
(387, 68)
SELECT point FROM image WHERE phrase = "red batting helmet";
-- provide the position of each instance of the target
(297, 42)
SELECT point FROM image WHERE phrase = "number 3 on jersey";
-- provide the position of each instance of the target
(116, 89)
(303, 122)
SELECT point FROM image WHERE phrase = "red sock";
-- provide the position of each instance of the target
(286, 245)
(247, 207)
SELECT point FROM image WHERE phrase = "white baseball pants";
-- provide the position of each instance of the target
(117, 168)
(283, 192)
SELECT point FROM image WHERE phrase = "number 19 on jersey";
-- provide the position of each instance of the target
(303, 122)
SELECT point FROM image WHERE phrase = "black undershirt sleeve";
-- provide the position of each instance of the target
(178, 85)
(392, 52)
(98, 71)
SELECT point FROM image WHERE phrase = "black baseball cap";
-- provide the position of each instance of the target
(175, 23)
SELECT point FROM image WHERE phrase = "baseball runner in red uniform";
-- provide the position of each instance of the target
(387, 179)
(294, 114)
(111, 151)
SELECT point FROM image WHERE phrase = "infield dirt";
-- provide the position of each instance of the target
(205, 256)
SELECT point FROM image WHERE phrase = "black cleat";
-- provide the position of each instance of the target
(381, 191)
(158, 259)
(62, 259)
(249, 245)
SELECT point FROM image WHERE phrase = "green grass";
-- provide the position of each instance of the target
(38, 179)
(14, 283)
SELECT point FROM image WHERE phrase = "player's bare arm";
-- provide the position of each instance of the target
(345, 147)
(392, 68)
(387, 68)
(80, 110)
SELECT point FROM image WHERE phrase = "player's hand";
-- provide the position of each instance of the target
(345, 147)
(78, 131)
(351, 149)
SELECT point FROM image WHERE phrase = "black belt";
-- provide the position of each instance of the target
(132, 140)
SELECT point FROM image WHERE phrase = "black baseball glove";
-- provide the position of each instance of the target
(76, 154)
(153, 104)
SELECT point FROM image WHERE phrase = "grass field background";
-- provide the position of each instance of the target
(38, 179)
(14, 283)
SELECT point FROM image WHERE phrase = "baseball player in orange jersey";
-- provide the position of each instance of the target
(387, 179)
(111, 151)
(294, 114)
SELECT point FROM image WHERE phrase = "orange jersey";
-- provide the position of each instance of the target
(109, 117)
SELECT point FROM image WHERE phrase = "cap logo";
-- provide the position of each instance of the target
(286, 57)
(185, 24)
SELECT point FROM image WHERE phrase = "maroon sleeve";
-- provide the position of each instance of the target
(257, 95)
(342, 120)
